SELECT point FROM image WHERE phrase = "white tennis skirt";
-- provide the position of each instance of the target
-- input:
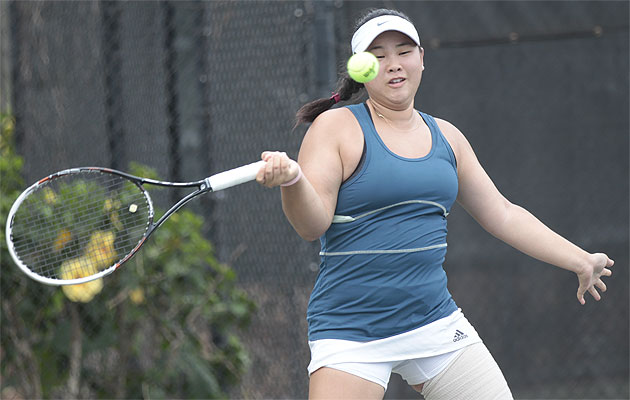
(445, 335)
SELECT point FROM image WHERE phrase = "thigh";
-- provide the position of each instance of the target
(472, 375)
(331, 383)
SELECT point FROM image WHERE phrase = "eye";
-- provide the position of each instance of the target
(405, 52)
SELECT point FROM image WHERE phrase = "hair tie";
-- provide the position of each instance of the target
(335, 97)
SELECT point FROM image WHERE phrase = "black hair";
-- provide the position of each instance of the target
(346, 86)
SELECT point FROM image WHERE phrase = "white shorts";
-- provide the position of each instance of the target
(415, 371)
(417, 355)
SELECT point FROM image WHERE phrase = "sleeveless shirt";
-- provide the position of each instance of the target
(381, 259)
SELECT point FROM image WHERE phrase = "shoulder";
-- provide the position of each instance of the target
(334, 136)
(449, 130)
(338, 117)
(454, 136)
(335, 125)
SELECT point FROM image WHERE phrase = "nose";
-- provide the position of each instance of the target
(393, 65)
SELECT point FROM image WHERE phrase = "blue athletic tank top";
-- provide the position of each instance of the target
(381, 259)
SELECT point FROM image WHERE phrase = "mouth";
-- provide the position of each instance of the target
(396, 81)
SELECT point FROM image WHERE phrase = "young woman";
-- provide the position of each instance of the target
(375, 182)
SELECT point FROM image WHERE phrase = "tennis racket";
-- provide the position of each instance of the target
(82, 224)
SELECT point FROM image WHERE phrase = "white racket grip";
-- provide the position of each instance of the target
(233, 177)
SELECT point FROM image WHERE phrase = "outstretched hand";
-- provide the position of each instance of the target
(590, 277)
(279, 169)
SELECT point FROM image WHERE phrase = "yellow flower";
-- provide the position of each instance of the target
(99, 254)
(137, 296)
(100, 251)
(62, 239)
(50, 197)
(79, 268)
(116, 221)
(111, 204)
(108, 205)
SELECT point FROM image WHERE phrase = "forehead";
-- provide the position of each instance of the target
(390, 38)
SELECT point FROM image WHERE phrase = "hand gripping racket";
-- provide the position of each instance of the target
(82, 224)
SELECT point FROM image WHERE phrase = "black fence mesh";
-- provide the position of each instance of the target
(189, 88)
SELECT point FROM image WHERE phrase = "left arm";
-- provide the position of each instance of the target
(516, 226)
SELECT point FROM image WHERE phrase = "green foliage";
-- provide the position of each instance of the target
(164, 326)
(10, 168)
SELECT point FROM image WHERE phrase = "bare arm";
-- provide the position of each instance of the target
(310, 203)
(519, 228)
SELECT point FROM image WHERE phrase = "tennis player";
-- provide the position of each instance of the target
(375, 183)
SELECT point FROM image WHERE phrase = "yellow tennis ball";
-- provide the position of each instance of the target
(363, 67)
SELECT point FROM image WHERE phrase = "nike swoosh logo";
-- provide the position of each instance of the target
(381, 23)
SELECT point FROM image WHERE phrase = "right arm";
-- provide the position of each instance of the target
(310, 204)
(516, 226)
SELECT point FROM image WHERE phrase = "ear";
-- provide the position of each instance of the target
(422, 57)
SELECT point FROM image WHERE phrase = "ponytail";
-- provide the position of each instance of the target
(346, 87)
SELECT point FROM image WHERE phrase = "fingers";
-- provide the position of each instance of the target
(276, 170)
(592, 290)
(604, 266)
(601, 285)
(609, 263)
(604, 261)
(594, 293)
(580, 297)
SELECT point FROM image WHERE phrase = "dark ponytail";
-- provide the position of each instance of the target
(346, 86)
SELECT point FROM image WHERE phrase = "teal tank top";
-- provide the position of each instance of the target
(381, 259)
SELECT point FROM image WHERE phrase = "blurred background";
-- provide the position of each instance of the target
(214, 307)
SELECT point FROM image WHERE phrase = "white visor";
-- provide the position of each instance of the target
(367, 32)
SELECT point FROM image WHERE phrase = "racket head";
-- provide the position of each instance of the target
(78, 225)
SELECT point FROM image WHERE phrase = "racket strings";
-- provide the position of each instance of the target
(79, 224)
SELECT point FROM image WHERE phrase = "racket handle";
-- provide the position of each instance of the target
(233, 177)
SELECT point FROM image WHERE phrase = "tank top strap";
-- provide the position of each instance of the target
(441, 145)
(362, 114)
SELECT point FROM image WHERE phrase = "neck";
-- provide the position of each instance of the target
(400, 119)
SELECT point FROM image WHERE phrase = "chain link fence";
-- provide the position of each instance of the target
(189, 88)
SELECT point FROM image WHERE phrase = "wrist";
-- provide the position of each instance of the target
(583, 262)
(294, 180)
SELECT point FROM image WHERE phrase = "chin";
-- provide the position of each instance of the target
(401, 99)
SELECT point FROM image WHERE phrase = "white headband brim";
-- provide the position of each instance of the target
(374, 27)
